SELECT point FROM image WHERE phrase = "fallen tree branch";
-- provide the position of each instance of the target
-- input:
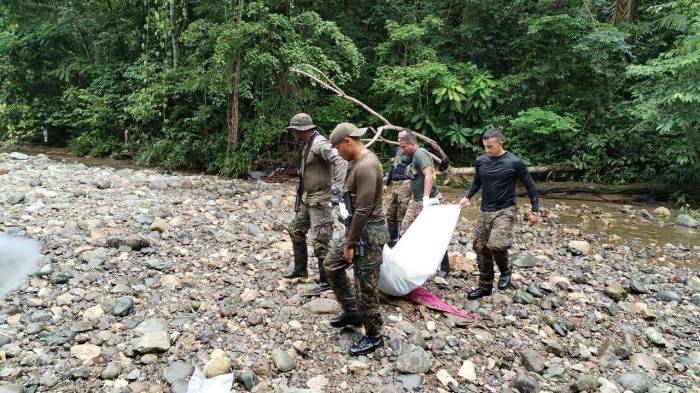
(658, 190)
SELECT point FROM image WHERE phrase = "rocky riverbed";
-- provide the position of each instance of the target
(147, 275)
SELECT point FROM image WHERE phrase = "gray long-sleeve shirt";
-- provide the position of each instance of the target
(497, 176)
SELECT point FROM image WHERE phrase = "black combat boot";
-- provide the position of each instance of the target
(366, 345)
(323, 284)
(479, 293)
(504, 281)
(444, 266)
(346, 319)
(301, 257)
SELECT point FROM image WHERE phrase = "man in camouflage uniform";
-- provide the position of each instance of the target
(363, 242)
(423, 190)
(322, 173)
(496, 174)
(397, 188)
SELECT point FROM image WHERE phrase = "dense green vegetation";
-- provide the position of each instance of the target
(612, 87)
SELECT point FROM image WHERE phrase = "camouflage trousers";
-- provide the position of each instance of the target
(396, 200)
(494, 236)
(315, 219)
(365, 298)
(412, 211)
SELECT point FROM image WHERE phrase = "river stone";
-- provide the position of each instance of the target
(248, 379)
(413, 360)
(112, 370)
(178, 371)
(637, 287)
(318, 383)
(410, 381)
(579, 247)
(283, 360)
(218, 364)
(85, 352)
(524, 384)
(4, 340)
(615, 291)
(686, 221)
(322, 306)
(694, 284)
(123, 306)
(655, 337)
(11, 388)
(662, 212)
(522, 297)
(532, 361)
(525, 260)
(152, 342)
(644, 361)
(669, 296)
(18, 156)
(15, 198)
(94, 258)
(468, 371)
(93, 313)
(636, 381)
(158, 264)
(585, 383)
(60, 277)
(11, 350)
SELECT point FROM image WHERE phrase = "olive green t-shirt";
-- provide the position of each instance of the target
(421, 160)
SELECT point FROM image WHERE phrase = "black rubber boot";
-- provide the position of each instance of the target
(301, 257)
(346, 319)
(504, 281)
(479, 293)
(444, 266)
(319, 289)
(366, 345)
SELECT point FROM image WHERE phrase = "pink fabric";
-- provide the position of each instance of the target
(422, 296)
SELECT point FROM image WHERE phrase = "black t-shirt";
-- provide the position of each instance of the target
(497, 176)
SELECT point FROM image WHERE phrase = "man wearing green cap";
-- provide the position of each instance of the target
(364, 240)
(321, 176)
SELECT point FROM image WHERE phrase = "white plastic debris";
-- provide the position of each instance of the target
(18, 259)
(199, 383)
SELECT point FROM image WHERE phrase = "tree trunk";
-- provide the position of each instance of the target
(470, 171)
(656, 190)
(174, 33)
(233, 130)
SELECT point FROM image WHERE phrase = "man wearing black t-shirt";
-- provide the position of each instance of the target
(496, 174)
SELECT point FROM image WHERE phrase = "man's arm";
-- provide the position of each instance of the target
(366, 179)
(476, 184)
(427, 180)
(340, 166)
(524, 175)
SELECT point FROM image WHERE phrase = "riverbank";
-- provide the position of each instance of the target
(108, 313)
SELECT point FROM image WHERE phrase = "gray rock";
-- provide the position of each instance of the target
(60, 277)
(322, 306)
(11, 350)
(11, 388)
(18, 156)
(4, 340)
(669, 296)
(413, 360)
(154, 337)
(391, 388)
(637, 287)
(158, 264)
(695, 299)
(123, 306)
(534, 290)
(180, 386)
(655, 337)
(94, 258)
(410, 381)
(585, 383)
(48, 379)
(525, 260)
(522, 297)
(248, 380)
(39, 316)
(112, 370)
(686, 221)
(635, 381)
(524, 384)
(256, 317)
(532, 361)
(15, 198)
(178, 371)
(103, 183)
(34, 328)
(660, 388)
(283, 360)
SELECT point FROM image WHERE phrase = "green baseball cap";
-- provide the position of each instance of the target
(344, 130)
(301, 122)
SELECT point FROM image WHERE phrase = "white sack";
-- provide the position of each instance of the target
(417, 255)
(199, 383)
(18, 258)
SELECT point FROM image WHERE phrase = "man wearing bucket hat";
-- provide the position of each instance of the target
(365, 237)
(321, 177)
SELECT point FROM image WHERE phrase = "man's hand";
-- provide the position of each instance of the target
(348, 253)
(464, 202)
(385, 188)
(533, 218)
(336, 198)
(428, 201)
